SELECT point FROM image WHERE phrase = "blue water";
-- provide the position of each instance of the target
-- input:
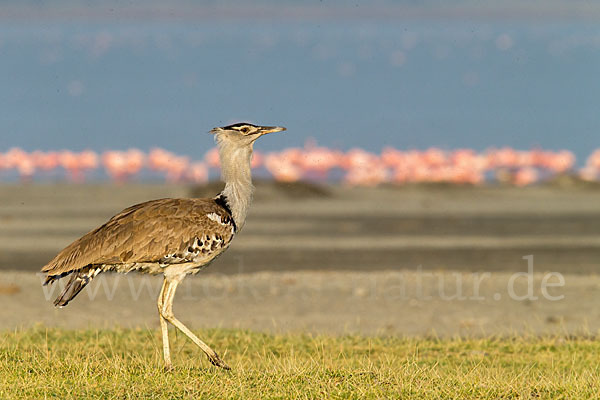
(367, 83)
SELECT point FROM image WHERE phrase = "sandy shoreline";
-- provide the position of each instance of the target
(393, 302)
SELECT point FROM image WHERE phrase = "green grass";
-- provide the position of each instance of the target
(51, 363)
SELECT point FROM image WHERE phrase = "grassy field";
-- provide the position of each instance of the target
(51, 363)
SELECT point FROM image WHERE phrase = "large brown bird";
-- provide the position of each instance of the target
(173, 237)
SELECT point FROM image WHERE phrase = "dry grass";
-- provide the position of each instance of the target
(45, 363)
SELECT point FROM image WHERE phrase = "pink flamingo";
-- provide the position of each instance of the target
(525, 176)
(505, 157)
(45, 161)
(88, 160)
(158, 159)
(76, 163)
(198, 173)
(114, 163)
(19, 159)
(122, 165)
(434, 157)
(316, 162)
(258, 159)
(13, 157)
(468, 159)
(358, 158)
(588, 173)
(320, 159)
(173, 166)
(362, 167)
(561, 161)
(26, 167)
(525, 159)
(392, 158)
(134, 161)
(282, 168)
(212, 158)
(593, 160)
(177, 168)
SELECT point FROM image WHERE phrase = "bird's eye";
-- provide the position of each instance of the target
(245, 129)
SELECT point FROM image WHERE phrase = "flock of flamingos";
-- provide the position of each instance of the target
(313, 163)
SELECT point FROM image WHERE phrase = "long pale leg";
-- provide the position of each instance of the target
(163, 326)
(167, 313)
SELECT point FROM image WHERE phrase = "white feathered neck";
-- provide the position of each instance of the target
(236, 173)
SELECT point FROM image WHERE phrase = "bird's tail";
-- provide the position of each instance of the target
(76, 283)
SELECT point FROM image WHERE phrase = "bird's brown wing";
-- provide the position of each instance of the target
(161, 231)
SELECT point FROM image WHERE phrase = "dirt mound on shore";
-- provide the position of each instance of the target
(270, 190)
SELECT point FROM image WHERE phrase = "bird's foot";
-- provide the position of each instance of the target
(168, 367)
(216, 360)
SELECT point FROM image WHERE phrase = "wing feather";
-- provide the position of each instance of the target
(157, 231)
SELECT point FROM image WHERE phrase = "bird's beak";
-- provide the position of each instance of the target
(215, 130)
(270, 129)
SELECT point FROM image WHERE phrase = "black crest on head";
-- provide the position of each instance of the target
(238, 125)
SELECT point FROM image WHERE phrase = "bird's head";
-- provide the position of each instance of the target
(243, 133)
